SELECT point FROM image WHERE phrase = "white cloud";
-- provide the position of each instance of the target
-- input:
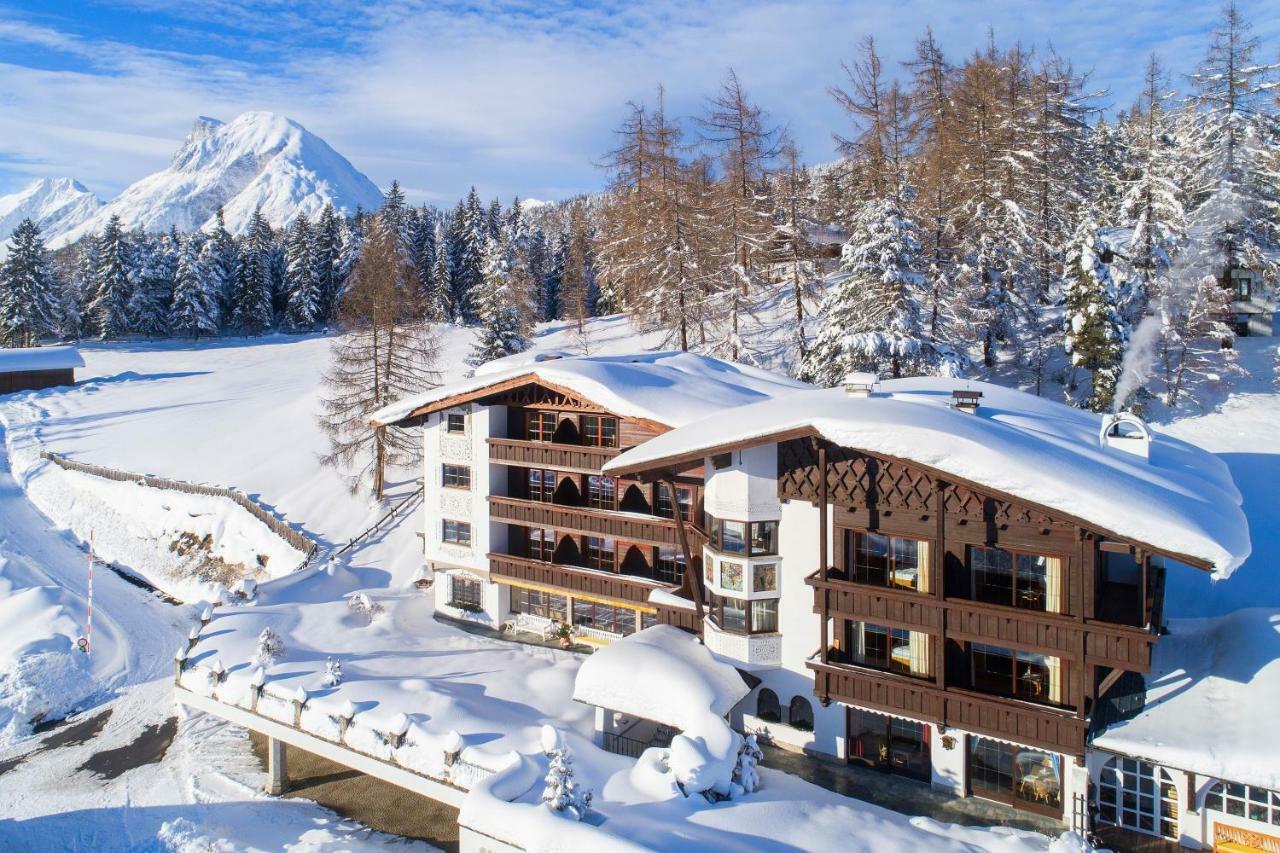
(510, 97)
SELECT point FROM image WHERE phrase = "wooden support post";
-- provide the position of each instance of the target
(823, 558)
(1085, 672)
(699, 592)
(277, 773)
(938, 568)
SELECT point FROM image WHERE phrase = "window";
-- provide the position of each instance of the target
(605, 617)
(540, 426)
(889, 743)
(456, 476)
(764, 616)
(731, 576)
(764, 577)
(670, 565)
(456, 532)
(733, 615)
(542, 544)
(736, 616)
(541, 485)
(455, 422)
(1025, 675)
(1016, 579)
(599, 431)
(1014, 774)
(733, 537)
(721, 461)
(465, 594)
(767, 706)
(601, 553)
(544, 604)
(882, 560)
(889, 649)
(683, 494)
(1244, 801)
(602, 492)
(1139, 795)
(800, 714)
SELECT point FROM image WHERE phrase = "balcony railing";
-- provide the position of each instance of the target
(632, 527)
(545, 454)
(572, 579)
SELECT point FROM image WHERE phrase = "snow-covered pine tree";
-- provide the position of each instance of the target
(494, 220)
(438, 305)
(471, 237)
(84, 287)
(194, 310)
(746, 773)
(1095, 328)
(562, 792)
(155, 265)
(332, 672)
(553, 279)
(224, 267)
(28, 308)
(302, 309)
(253, 314)
(270, 647)
(326, 251)
(871, 319)
(502, 311)
(114, 282)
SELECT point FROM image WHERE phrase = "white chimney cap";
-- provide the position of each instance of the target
(1128, 432)
(860, 383)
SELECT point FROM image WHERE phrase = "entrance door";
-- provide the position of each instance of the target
(890, 744)
(1138, 795)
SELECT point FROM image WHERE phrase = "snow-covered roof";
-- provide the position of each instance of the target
(39, 358)
(669, 388)
(1212, 695)
(1181, 501)
(661, 674)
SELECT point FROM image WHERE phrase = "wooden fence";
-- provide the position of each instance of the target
(282, 529)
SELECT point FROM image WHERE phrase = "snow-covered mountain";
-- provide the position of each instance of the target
(56, 205)
(259, 160)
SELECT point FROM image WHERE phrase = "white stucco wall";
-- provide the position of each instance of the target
(468, 448)
(746, 490)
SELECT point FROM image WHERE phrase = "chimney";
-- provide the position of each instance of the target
(859, 384)
(1126, 432)
(966, 400)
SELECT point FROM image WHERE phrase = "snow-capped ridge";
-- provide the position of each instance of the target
(53, 204)
(258, 161)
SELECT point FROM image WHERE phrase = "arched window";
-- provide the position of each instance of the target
(767, 707)
(1244, 801)
(1138, 795)
(800, 714)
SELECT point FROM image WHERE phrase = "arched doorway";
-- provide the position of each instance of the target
(767, 707)
(1138, 795)
(800, 714)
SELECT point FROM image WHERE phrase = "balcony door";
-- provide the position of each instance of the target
(889, 743)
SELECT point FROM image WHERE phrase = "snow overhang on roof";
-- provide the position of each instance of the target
(668, 388)
(1180, 502)
(39, 358)
(661, 674)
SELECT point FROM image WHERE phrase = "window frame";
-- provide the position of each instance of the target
(595, 554)
(670, 570)
(535, 426)
(465, 601)
(662, 501)
(449, 422)
(1015, 793)
(1015, 595)
(458, 532)
(852, 547)
(599, 497)
(545, 548)
(602, 432)
(1019, 681)
(542, 493)
(460, 475)
(1223, 794)
(747, 607)
(716, 539)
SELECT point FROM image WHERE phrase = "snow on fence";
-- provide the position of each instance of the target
(282, 529)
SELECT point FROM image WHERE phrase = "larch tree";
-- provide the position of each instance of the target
(28, 309)
(791, 250)
(385, 354)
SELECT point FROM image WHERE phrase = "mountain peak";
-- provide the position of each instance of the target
(53, 204)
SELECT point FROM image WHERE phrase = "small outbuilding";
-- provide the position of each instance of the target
(29, 368)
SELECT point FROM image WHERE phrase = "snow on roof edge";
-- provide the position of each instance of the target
(39, 358)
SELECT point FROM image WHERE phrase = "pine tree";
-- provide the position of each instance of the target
(563, 793)
(327, 250)
(872, 318)
(746, 773)
(224, 267)
(470, 238)
(253, 314)
(195, 287)
(303, 307)
(553, 279)
(114, 284)
(439, 305)
(155, 266)
(501, 309)
(28, 309)
(1096, 331)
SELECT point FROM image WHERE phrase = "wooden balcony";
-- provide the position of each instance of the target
(574, 578)
(1033, 725)
(1052, 634)
(585, 521)
(543, 454)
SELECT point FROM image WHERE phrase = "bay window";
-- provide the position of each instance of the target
(738, 616)
(755, 538)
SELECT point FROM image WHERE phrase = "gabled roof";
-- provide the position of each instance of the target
(1181, 502)
(667, 388)
(39, 358)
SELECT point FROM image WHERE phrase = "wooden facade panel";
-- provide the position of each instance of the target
(881, 606)
(1043, 728)
(878, 692)
(590, 522)
(540, 454)
(1130, 651)
(572, 579)
(31, 380)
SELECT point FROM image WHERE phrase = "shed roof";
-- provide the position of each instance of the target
(39, 358)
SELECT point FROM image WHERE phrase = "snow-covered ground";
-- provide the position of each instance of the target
(242, 414)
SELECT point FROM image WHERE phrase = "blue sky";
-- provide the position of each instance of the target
(513, 97)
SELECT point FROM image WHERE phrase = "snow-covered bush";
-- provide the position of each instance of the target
(563, 793)
(362, 605)
(746, 775)
(332, 672)
(270, 647)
